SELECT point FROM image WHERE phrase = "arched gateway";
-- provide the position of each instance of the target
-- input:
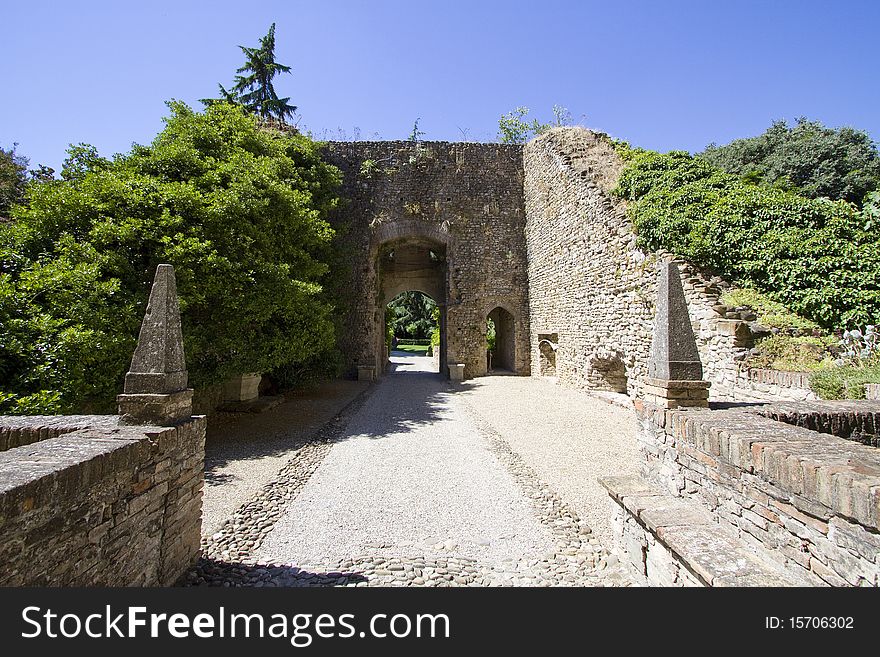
(445, 219)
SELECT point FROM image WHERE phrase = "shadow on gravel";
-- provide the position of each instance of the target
(211, 572)
(405, 401)
(277, 432)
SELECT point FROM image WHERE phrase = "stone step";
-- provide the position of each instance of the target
(711, 552)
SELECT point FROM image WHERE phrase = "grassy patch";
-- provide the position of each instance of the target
(770, 313)
(793, 354)
(417, 349)
(844, 382)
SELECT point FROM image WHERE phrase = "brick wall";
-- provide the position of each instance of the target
(755, 384)
(86, 502)
(808, 499)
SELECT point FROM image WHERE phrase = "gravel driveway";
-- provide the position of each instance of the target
(436, 484)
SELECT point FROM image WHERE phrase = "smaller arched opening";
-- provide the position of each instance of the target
(548, 343)
(500, 341)
(608, 372)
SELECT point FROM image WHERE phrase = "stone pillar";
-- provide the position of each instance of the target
(675, 372)
(243, 387)
(155, 390)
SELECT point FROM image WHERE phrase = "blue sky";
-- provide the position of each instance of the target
(662, 75)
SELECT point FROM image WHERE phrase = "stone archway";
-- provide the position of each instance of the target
(411, 262)
(504, 356)
(608, 372)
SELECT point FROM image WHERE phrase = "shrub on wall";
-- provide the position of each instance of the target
(238, 210)
(815, 256)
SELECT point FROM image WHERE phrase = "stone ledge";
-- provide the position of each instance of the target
(21, 430)
(832, 474)
(711, 552)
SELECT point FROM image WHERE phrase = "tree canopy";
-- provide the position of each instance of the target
(238, 210)
(253, 88)
(816, 256)
(13, 179)
(816, 161)
(411, 315)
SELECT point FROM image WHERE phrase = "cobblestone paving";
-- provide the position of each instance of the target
(407, 486)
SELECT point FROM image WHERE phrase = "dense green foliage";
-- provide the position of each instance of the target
(844, 382)
(815, 256)
(411, 315)
(840, 164)
(13, 179)
(253, 88)
(238, 210)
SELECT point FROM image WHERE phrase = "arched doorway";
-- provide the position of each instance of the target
(501, 340)
(412, 322)
(411, 264)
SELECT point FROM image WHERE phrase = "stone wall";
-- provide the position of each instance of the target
(87, 502)
(460, 202)
(807, 499)
(21, 430)
(589, 283)
(754, 384)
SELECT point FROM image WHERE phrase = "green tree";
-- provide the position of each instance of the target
(13, 179)
(815, 256)
(240, 213)
(840, 164)
(253, 86)
(411, 315)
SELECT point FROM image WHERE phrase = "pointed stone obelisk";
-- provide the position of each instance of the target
(674, 370)
(155, 387)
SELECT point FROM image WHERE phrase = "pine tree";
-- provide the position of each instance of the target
(253, 85)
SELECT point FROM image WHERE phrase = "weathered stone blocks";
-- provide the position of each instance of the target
(155, 387)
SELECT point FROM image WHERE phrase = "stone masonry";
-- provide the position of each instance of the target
(808, 499)
(106, 500)
(441, 218)
(590, 285)
(529, 232)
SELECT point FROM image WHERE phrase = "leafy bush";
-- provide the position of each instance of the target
(238, 210)
(771, 314)
(792, 354)
(838, 163)
(858, 348)
(844, 382)
(812, 255)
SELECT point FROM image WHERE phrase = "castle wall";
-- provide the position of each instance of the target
(590, 286)
(465, 199)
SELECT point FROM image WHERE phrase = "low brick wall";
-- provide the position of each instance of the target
(809, 500)
(872, 391)
(845, 419)
(17, 431)
(754, 384)
(98, 504)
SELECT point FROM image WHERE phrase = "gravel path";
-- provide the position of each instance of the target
(412, 485)
(244, 452)
(569, 437)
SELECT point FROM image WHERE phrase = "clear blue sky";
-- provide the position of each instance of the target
(660, 74)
